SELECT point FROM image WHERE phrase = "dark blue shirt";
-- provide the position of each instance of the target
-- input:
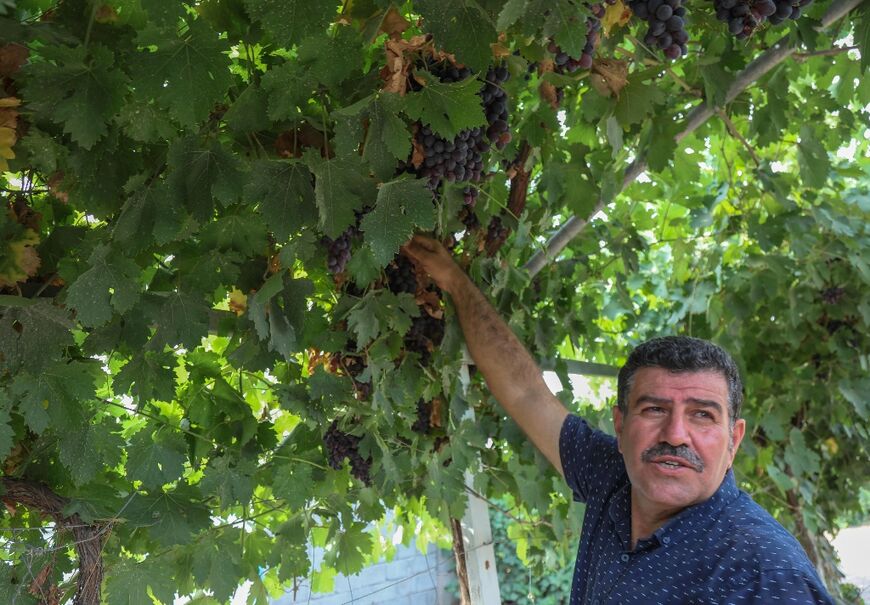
(724, 550)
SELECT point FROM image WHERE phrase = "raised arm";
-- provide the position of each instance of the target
(513, 377)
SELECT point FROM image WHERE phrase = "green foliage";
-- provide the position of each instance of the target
(173, 347)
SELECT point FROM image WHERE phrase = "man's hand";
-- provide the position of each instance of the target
(436, 261)
(513, 377)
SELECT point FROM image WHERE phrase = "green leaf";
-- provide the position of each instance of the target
(812, 158)
(319, 52)
(401, 207)
(278, 311)
(289, 21)
(363, 268)
(147, 376)
(87, 449)
(862, 37)
(78, 88)
(216, 565)
(389, 139)
(110, 284)
(230, 479)
(242, 232)
(380, 310)
(857, 392)
(248, 112)
(352, 544)
(447, 108)
(511, 13)
(32, 336)
(186, 73)
(171, 517)
(156, 458)
(127, 583)
(286, 195)
(636, 101)
(55, 396)
(342, 187)
(717, 81)
(7, 434)
(288, 87)
(200, 174)
(293, 483)
(183, 320)
(460, 27)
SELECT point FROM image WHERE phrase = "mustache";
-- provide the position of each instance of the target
(683, 452)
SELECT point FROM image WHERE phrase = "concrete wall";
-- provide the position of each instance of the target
(411, 578)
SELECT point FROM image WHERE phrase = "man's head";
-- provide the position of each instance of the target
(677, 422)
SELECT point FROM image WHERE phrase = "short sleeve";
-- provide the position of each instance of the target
(590, 459)
(780, 586)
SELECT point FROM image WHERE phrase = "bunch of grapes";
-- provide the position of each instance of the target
(564, 63)
(787, 9)
(341, 445)
(496, 234)
(425, 334)
(401, 275)
(831, 296)
(667, 25)
(424, 411)
(338, 250)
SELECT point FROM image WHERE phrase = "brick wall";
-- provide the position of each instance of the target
(411, 578)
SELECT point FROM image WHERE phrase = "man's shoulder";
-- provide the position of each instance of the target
(757, 539)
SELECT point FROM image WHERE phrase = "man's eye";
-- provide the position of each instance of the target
(704, 414)
(653, 409)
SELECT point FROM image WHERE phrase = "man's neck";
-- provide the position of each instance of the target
(645, 522)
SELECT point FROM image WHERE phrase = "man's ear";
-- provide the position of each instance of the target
(736, 437)
(617, 425)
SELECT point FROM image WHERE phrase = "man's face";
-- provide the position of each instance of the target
(675, 438)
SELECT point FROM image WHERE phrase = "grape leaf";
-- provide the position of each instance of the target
(87, 449)
(447, 108)
(388, 140)
(288, 21)
(285, 193)
(293, 483)
(7, 434)
(78, 88)
(278, 310)
(353, 543)
(172, 517)
(146, 122)
(201, 174)
(187, 74)
(182, 321)
(231, 480)
(56, 395)
(636, 101)
(134, 227)
(155, 457)
(812, 158)
(401, 206)
(511, 13)
(244, 232)
(110, 283)
(148, 375)
(362, 267)
(32, 336)
(288, 88)
(862, 37)
(216, 564)
(127, 582)
(377, 311)
(460, 27)
(248, 112)
(570, 27)
(318, 54)
(342, 187)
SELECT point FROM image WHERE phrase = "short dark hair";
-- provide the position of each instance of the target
(682, 354)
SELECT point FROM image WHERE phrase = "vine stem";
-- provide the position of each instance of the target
(765, 62)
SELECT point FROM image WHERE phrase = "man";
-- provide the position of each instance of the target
(665, 521)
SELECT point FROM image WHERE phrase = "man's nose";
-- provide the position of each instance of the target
(675, 430)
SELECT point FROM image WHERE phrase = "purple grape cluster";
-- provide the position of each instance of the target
(425, 334)
(666, 21)
(831, 296)
(496, 234)
(745, 16)
(461, 159)
(788, 9)
(341, 445)
(401, 275)
(422, 424)
(564, 63)
(338, 250)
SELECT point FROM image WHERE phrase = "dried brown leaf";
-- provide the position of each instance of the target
(394, 24)
(614, 72)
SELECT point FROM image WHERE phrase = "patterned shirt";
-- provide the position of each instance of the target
(724, 550)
